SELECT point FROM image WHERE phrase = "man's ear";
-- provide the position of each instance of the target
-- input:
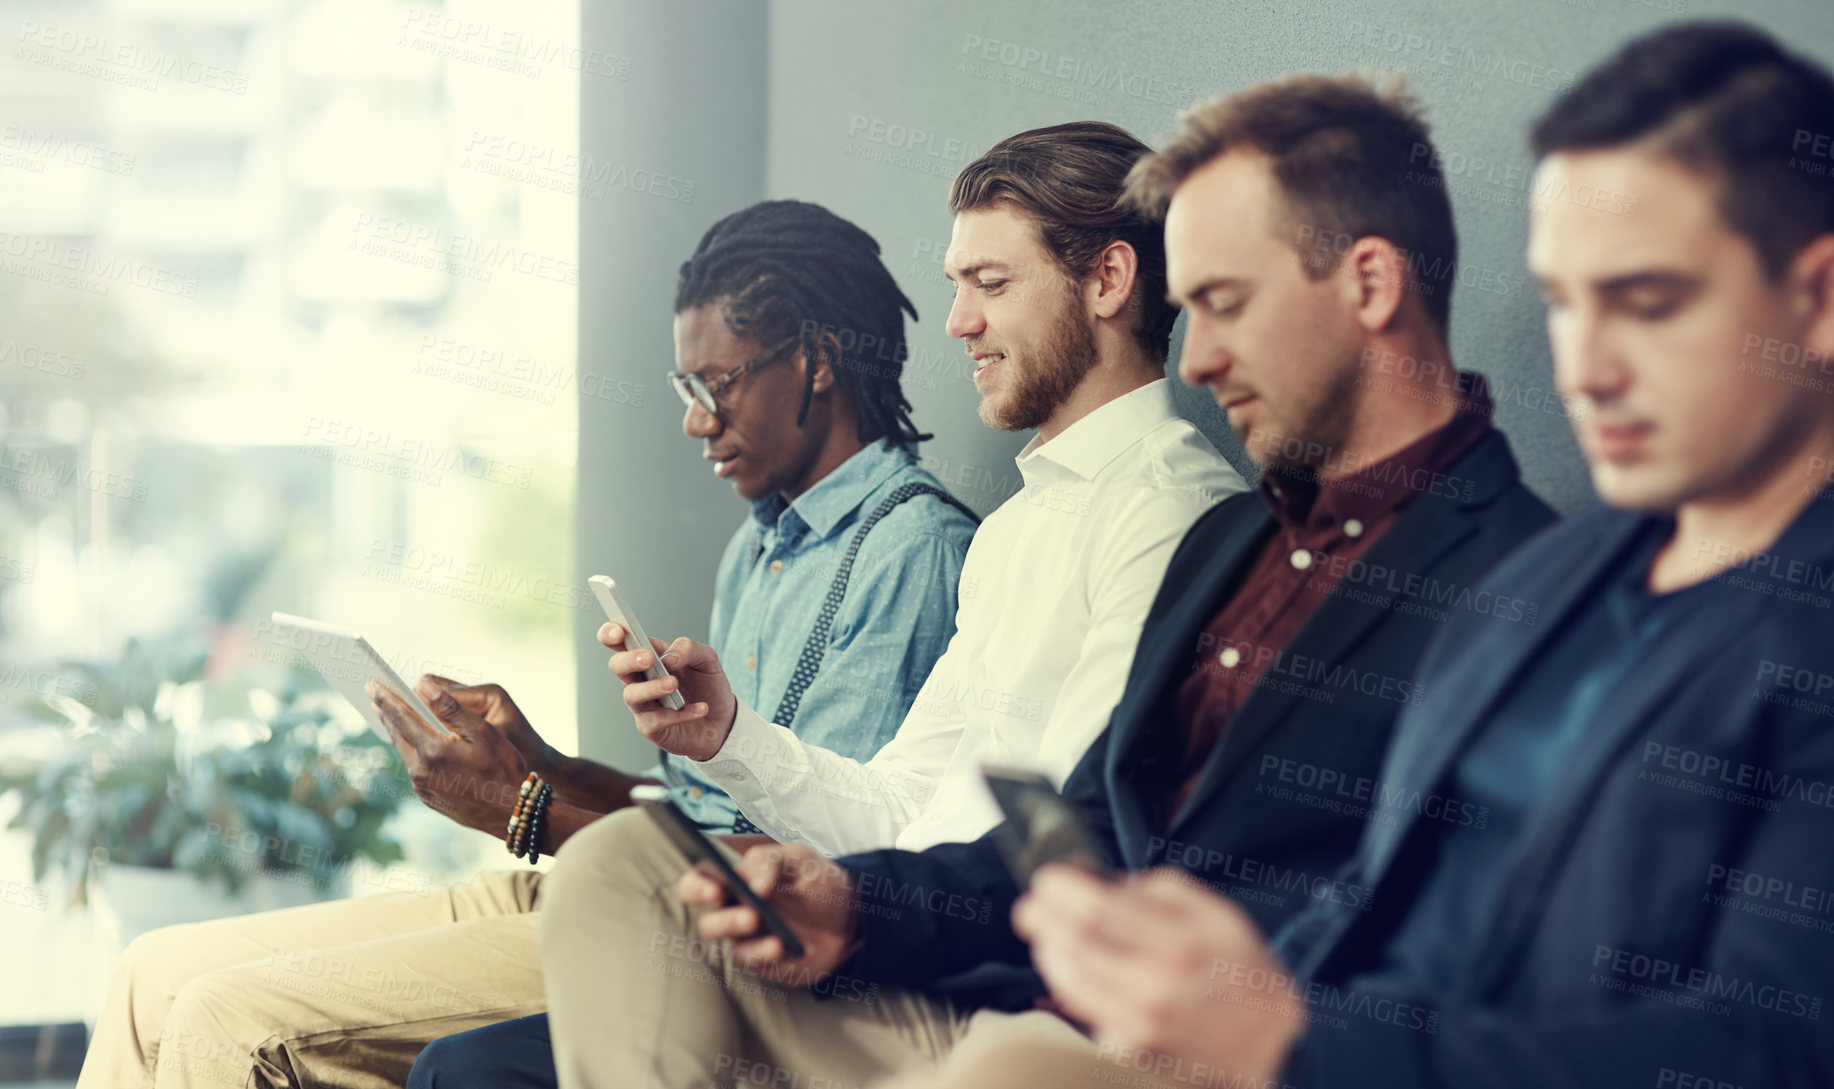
(1111, 284)
(1812, 273)
(1376, 276)
(827, 358)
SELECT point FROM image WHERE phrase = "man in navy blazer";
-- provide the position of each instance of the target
(1650, 900)
(1274, 662)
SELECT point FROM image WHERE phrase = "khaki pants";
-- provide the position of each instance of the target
(635, 998)
(336, 994)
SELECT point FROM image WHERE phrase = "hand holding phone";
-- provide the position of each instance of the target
(619, 611)
(1041, 826)
(701, 852)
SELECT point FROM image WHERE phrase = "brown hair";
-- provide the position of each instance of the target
(1069, 178)
(1727, 101)
(1352, 160)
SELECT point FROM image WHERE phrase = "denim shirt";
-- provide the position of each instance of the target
(895, 621)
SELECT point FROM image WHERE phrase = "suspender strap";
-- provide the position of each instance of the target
(813, 651)
(817, 647)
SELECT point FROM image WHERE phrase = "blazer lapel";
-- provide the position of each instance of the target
(1646, 691)
(1431, 528)
(1139, 726)
(1428, 741)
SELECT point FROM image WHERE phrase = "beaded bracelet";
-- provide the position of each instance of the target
(515, 814)
(518, 819)
(537, 817)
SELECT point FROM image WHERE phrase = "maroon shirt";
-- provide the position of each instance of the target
(1323, 525)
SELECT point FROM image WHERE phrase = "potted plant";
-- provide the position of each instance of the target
(169, 798)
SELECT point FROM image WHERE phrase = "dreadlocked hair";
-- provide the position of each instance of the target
(787, 268)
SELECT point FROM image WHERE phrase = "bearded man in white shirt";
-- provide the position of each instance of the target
(1061, 301)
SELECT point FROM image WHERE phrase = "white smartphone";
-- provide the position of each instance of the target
(346, 659)
(621, 614)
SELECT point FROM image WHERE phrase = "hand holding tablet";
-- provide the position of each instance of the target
(347, 661)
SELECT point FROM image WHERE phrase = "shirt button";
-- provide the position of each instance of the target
(1302, 559)
(1353, 528)
(751, 661)
(776, 567)
(738, 777)
(694, 792)
(1229, 657)
(793, 835)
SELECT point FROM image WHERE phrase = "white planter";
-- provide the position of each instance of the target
(127, 901)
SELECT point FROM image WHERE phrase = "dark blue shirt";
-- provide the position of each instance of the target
(1497, 782)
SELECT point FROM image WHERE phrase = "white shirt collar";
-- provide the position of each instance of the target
(1087, 446)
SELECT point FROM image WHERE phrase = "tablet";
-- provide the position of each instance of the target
(348, 662)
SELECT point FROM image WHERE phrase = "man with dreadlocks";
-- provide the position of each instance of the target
(833, 601)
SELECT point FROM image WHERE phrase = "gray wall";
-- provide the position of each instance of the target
(650, 513)
(850, 81)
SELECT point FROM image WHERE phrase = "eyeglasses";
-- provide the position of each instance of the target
(695, 390)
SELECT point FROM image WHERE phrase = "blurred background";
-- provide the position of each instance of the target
(361, 311)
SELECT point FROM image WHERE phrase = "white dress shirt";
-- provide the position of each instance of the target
(1054, 592)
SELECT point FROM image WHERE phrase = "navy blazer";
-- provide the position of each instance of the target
(1279, 806)
(1667, 913)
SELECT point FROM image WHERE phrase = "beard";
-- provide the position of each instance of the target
(1049, 374)
(1305, 435)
